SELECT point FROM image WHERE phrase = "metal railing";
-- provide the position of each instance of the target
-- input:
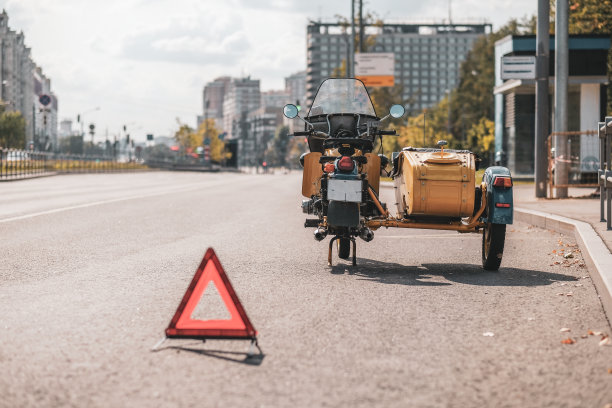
(604, 175)
(21, 164)
(581, 169)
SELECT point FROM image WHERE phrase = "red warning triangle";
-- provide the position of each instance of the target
(237, 327)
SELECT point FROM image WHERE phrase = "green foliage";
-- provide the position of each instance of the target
(471, 104)
(277, 153)
(591, 17)
(71, 144)
(208, 132)
(186, 138)
(12, 130)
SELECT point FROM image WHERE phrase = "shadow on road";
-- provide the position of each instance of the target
(420, 275)
(233, 356)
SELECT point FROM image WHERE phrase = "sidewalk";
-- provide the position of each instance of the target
(578, 216)
(581, 208)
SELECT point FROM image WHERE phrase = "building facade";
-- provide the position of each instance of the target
(213, 97)
(19, 89)
(515, 104)
(427, 56)
(241, 96)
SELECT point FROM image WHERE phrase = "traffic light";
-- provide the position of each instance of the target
(297, 104)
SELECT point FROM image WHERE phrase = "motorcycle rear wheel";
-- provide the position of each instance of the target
(344, 248)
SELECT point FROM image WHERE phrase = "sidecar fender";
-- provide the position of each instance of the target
(500, 206)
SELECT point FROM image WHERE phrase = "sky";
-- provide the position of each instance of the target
(144, 63)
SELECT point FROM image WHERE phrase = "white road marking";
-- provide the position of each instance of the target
(114, 200)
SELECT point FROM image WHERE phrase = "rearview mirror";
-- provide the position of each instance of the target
(397, 111)
(290, 111)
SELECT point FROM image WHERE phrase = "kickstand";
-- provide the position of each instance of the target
(329, 254)
(254, 345)
(354, 251)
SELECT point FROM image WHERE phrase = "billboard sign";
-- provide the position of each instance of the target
(375, 68)
(513, 67)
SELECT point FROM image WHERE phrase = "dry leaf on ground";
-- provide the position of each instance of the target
(565, 329)
(567, 341)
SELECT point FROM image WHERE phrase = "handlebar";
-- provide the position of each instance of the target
(387, 132)
(301, 133)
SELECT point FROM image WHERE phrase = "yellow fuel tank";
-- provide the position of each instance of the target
(429, 182)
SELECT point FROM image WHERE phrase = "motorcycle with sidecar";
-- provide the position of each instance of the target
(435, 188)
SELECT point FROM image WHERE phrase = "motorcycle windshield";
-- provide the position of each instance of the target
(341, 95)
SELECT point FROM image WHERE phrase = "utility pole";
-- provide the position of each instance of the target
(561, 78)
(450, 26)
(542, 103)
(351, 63)
(361, 46)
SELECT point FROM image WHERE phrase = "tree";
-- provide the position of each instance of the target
(277, 152)
(187, 139)
(590, 17)
(12, 130)
(208, 133)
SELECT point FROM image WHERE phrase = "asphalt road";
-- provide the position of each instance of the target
(93, 267)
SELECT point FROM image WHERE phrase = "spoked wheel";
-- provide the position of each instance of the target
(344, 248)
(493, 238)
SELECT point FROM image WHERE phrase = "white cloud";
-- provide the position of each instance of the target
(146, 61)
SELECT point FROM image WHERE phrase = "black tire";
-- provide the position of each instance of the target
(493, 238)
(344, 248)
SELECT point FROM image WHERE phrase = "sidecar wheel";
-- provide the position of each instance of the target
(493, 237)
(344, 248)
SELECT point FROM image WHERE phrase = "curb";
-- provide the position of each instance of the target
(596, 255)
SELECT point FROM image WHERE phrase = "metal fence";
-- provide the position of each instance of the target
(20, 164)
(604, 130)
(581, 162)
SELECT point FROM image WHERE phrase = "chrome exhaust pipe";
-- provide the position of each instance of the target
(366, 234)
(320, 234)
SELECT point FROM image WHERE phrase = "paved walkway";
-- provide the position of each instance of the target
(583, 207)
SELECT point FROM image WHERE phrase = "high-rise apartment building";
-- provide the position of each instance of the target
(242, 95)
(427, 56)
(212, 100)
(295, 85)
(19, 90)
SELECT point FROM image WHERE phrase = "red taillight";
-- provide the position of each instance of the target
(502, 205)
(346, 164)
(502, 182)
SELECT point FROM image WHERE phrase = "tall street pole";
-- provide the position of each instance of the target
(351, 63)
(361, 45)
(561, 77)
(542, 99)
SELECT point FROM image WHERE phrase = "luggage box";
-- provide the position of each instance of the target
(428, 182)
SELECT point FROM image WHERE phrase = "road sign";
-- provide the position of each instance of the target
(513, 67)
(44, 99)
(184, 326)
(375, 68)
